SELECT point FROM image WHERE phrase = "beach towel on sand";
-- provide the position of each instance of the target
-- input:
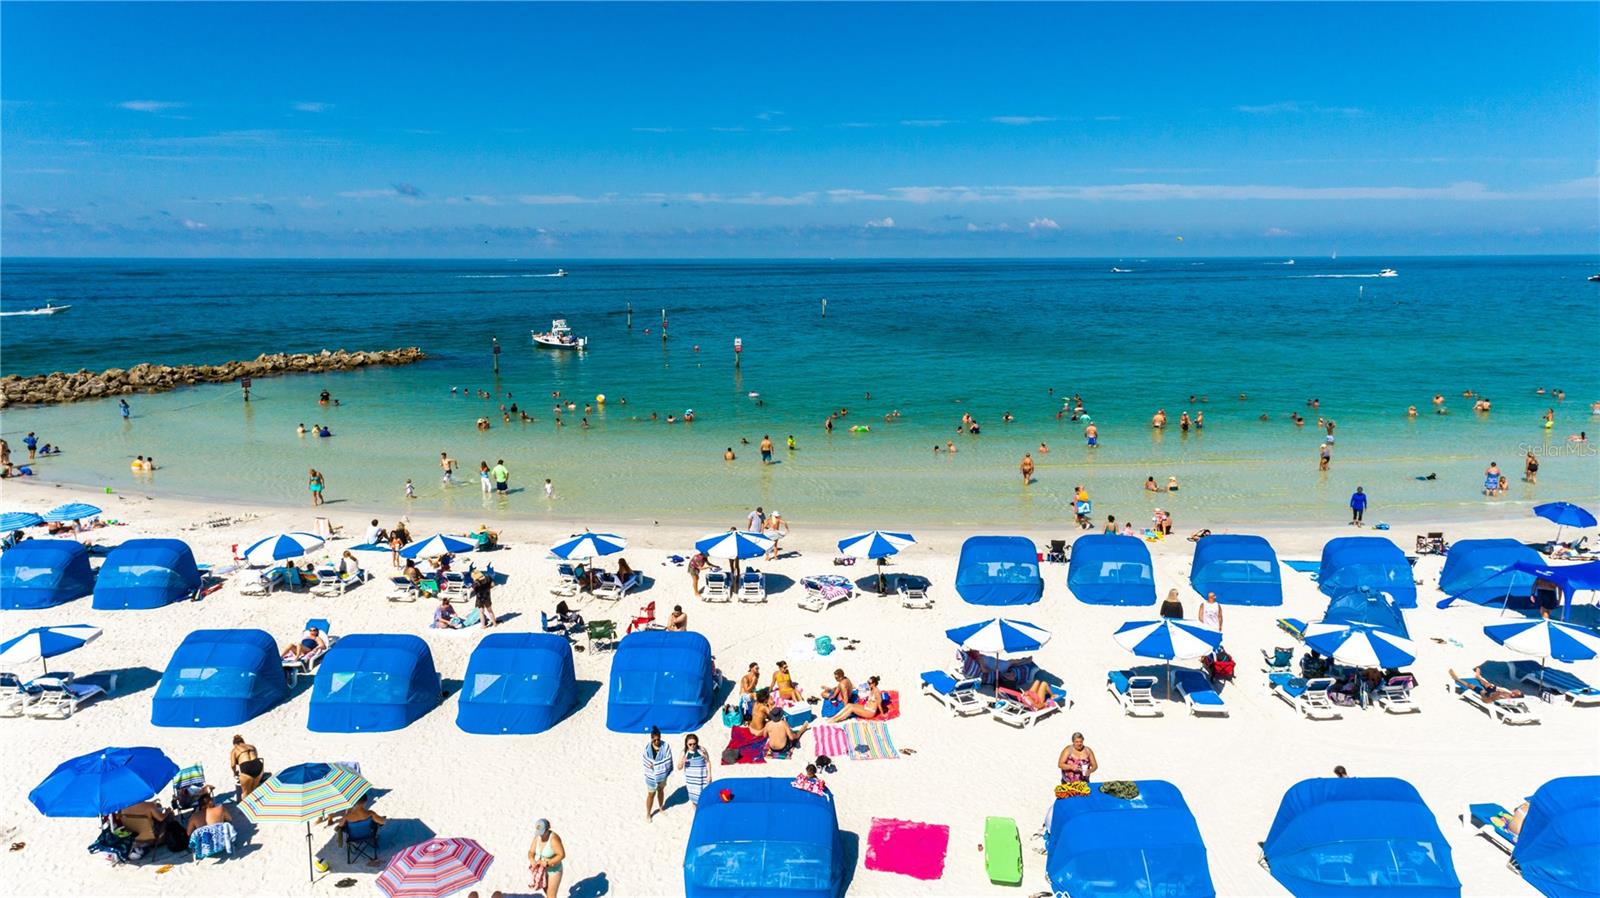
(906, 847)
(752, 749)
(870, 741)
(830, 739)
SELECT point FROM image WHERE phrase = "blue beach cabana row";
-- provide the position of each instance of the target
(999, 570)
(770, 839)
(370, 683)
(146, 573)
(1101, 846)
(1107, 569)
(1353, 562)
(219, 678)
(42, 573)
(1558, 850)
(1484, 571)
(517, 683)
(1240, 569)
(1368, 608)
(661, 678)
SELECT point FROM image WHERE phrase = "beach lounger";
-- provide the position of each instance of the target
(1394, 695)
(1134, 692)
(1021, 709)
(1002, 851)
(611, 589)
(1555, 681)
(59, 696)
(1197, 692)
(752, 586)
(262, 583)
(717, 588)
(403, 590)
(1279, 660)
(337, 584)
(1293, 626)
(824, 591)
(306, 665)
(1509, 711)
(1309, 697)
(1489, 820)
(960, 697)
(913, 591)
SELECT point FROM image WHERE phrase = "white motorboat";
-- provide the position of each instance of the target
(1122, 271)
(1594, 277)
(1388, 273)
(560, 273)
(48, 308)
(559, 336)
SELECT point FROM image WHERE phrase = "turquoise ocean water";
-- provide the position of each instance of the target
(930, 339)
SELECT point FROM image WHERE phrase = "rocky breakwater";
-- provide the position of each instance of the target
(64, 386)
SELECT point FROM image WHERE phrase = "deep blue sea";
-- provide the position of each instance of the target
(927, 339)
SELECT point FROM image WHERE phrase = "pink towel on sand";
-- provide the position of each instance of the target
(831, 739)
(914, 849)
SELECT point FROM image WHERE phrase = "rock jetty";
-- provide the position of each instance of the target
(64, 386)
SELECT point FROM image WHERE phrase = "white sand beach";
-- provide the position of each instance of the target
(436, 779)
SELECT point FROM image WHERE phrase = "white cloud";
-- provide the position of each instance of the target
(193, 225)
(310, 106)
(1021, 119)
(1139, 192)
(925, 122)
(729, 129)
(846, 195)
(1277, 232)
(1043, 224)
(656, 130)
(149, 105)
(768, 115)
(1108, 118)
(884, 222)
(857, 125)
(1299, 107)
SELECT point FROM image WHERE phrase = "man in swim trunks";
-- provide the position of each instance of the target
(766, 449)
(501, 476)
(448, 466)
(1091, 436)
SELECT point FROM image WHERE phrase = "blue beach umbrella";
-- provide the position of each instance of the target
(1547, 639)
(103, 782)
(1565, 514)
(1000, 637)
(1359, 645)
(17, 520)
(72, 511)
(875, 544)
(438, 544)
(734, 544)
(44, 642)
(1167, 639)
(281, 546)
(589, 545)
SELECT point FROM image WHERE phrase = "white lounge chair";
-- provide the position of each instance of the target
(1394, 695)
(1020, 709)
(1134, 692)
(566, 584)
(1557, 681)
(1309, 697)
(824, 591)
(960, 697)
(306, 665)
(60, 696)
(263, 583)
(14, 695)
(334, 583)
(1510, 711)
(403, 590)
(913, 591)
(1198, 693)
(1489, 820)
(717, 588)
(611, 589)
(752, 586)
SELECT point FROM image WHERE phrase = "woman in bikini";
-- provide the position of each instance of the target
(866, 710)
(247, 766)
(783, 682)
(545, 858)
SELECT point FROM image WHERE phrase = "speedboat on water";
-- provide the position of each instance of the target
(1594, 277)
(560, 273)
(48, 308)
(1388, 273)
(1122, 271)
(559, 336)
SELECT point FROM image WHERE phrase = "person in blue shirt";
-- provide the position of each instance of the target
(1358, 505)
(122, 404)
(32, 442)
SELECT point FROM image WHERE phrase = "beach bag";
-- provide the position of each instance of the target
(731, 717)
(824, 645)
(537, 879)
(730, 755)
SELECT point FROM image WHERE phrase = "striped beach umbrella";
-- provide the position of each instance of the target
(732, 544)
(1167, 639)
(1547, 639)
(72, 511)
(875, 544)
(17, 520)
(438, 544)
(434, 869)
(1359, 645)
(1000, 637)
(281, 546)
(303, 793)
(44, 642)
(103, 782)
(589, 545)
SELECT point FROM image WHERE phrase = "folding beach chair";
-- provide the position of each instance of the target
(1394, 696)
(1432, 544)
(960, 697)
(603, 633)
(1134, 692)
(1057, 553)
(1279, 660)
(717, 588)
(752, 586)
(188, 786)
(645, 619)
(360, 840)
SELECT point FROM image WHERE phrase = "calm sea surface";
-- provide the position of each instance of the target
(931, 340)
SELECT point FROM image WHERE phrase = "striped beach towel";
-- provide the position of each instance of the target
(870, 741)
(831, 740)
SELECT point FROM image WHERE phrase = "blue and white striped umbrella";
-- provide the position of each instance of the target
(875, 544)
(284, 545)
(44, 642)
(589, 545)
(1547, 639)
(438, 544)
(734, 544)
(1359, 645)
(1167, 639)
(1000, 637)
(72, 511)
(16, 520)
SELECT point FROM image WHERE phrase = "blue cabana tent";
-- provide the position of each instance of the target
(999, 570)
(1351, 562)
(1481, 571)
(372, 683)
(1241, 569)
(518, 683)
(661, 678)
(770, 839)
(1569, 578)
(219, 678)
(1108, 569)
(1558, 850)
(1370, 836)
(1101, 846)
(1364, 606)
(146, 573)
(40, 573)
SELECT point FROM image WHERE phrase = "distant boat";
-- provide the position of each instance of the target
(48, 308)
(560, 273)
(559, 336)
(1594, 277)
(1388, 273)
(1290, 262)
(1122, 271)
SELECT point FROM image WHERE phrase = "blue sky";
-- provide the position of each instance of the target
(798, 130)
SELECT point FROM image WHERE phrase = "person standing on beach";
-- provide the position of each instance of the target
(448, 466)
(31, 442)
(657, 770)
(501, 475)
(1358, 506)
(246, 765)
(545, 858)
(1077, 761)
(1210, 613)
(697, 563)
(754, 520)
(122, 406)
(316, 483)
(549, 489)
(696, 766)
(1027, 468)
